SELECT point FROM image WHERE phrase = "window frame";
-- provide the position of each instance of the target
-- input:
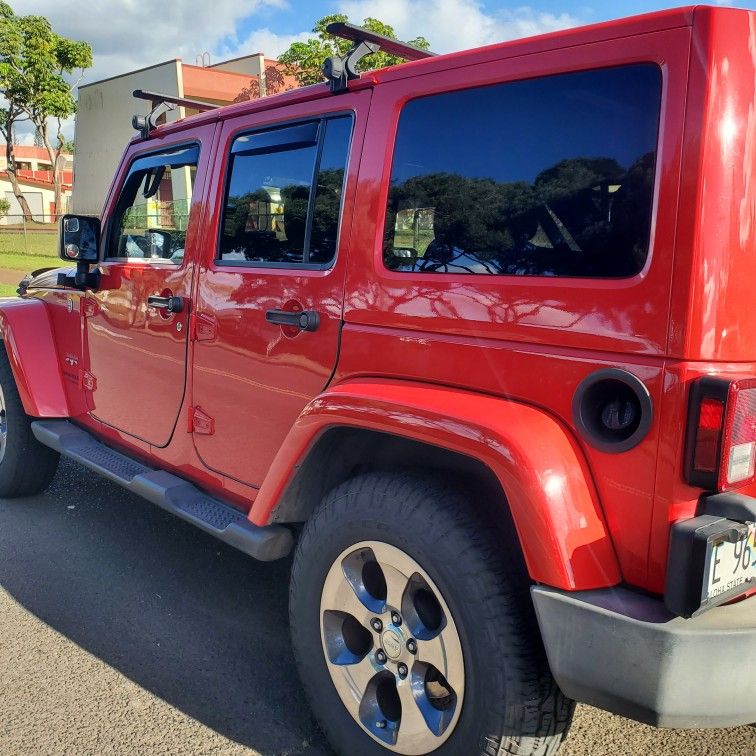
(109, 230)
(320, 119)
(658, 143)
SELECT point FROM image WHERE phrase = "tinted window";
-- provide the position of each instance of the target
(330, 184)
(152, 214)
(550, 177)
(284, 198)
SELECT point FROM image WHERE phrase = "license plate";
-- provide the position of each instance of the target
(730, 567)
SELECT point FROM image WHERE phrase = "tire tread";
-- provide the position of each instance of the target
(539, 715)
(28, 467)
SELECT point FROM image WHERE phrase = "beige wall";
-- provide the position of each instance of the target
(103, 128)
(253, 65)
(39, 198)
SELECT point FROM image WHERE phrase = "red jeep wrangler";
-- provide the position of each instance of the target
(477, 332)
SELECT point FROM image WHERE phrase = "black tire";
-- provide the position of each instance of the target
(511, 703)
(26, 467)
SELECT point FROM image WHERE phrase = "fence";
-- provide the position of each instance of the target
(22, 237)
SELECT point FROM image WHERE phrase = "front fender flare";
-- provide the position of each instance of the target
(26, 330)
(541, 469)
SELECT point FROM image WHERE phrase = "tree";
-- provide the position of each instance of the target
(12, 113)
(4, 207)
(304, 60)
(34, 64)
(270, 83)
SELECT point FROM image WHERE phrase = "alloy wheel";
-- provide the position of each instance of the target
(392, 648)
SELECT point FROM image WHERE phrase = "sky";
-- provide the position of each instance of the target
(130, 34)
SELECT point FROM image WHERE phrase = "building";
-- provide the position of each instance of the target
(35, 177)
(105, 110)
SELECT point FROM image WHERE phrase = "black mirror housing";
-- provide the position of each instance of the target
(79, 239)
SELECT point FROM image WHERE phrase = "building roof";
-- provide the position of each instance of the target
(211, 67)
(34, 182)
(30, 152)
(129, 73)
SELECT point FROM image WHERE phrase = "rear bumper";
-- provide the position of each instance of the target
(626, 653)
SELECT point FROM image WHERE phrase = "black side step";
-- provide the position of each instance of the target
(174, 494)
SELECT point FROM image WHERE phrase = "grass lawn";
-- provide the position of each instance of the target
(38, 249)
(15, 242)
(11, 261)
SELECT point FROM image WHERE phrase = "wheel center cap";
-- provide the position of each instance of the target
(392, 644)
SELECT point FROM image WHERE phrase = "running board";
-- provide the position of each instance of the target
(174, 494)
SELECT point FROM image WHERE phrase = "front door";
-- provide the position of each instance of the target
(270, 294)
(136, 322)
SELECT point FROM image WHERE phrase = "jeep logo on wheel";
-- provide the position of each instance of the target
(392, 644)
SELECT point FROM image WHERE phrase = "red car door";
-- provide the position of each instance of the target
(136, 321)
(270, 291)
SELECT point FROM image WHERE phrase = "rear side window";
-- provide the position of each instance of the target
(544, 177)
(283, 199)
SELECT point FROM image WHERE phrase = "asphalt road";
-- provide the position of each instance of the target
(126, 631)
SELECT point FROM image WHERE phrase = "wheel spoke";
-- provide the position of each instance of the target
(340, 596)
(444, 653)
(352, 681)
(351, 603)
(414, 731)
(396, 584)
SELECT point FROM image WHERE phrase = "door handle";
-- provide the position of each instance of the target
(306, 320)
(172, 304)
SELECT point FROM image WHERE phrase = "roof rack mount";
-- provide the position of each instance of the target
(340, 70)
(162, 103)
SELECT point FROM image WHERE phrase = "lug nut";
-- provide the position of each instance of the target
(380, 656)
(396, 618)
(412, 646)
(402, 670)
(376, 624)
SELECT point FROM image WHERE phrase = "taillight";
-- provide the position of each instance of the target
(721, 442)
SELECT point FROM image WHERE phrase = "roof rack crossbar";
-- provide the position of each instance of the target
(339, 70)
(183, 102)
(162, 103)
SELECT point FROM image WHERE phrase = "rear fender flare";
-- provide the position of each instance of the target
(26, 331)
(541, 469)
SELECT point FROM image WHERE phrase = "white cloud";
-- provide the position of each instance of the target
(266, 41)
(130, 34)
(456, 24)
(27, 139)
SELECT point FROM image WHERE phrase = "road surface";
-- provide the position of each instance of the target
(126, 631)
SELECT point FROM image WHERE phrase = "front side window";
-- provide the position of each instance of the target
(548, 177)
(284, 192)
(152, 214)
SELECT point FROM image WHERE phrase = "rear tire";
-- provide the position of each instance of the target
(26, 466)
(508, 702)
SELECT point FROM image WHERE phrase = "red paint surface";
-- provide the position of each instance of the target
(554, 506)
(486, 366)
(27, 334)
(138, 354)
(253, 377)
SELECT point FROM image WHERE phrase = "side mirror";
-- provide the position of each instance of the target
(80, 239)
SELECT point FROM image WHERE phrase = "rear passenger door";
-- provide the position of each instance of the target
(269, 301)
